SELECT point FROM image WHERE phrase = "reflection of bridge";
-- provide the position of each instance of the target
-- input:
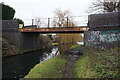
(55, 30)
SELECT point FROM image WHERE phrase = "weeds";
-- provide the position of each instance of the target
(105, 62)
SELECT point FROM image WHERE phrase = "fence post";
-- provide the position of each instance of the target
(48, 22)
(32, 22)
(67, 21)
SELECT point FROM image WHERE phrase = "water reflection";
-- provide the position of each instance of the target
(66, 41)
(19, 66)
(63, 48)
(54, 52)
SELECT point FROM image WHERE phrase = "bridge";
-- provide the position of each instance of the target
(28, 37)
(46, 25)
(100, 30)
(55, 30)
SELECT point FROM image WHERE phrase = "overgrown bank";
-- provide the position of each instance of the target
(106, 62)
(10, 49)
(94, 63)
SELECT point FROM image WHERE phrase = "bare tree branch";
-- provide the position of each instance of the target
(41, 22)
(105, 6)
(61, 17)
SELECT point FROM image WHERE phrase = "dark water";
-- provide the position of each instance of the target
(19, 66)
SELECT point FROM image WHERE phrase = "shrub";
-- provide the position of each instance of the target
(19, 20)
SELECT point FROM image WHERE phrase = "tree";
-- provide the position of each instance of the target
(65, 19)
(62, 18)
(7, 12)
(100, 6)
(40, 22)
(19, 20)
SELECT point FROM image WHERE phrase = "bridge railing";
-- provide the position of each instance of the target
(76, 21)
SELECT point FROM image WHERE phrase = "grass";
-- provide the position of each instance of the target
(52, 68)
(54, 44)
(100, 63)
(82, 68)
(75, 46)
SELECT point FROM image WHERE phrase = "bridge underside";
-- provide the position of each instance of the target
(53, 30)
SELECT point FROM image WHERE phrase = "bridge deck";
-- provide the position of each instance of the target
(54, 30)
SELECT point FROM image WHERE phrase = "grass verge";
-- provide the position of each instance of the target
(75, 46)
(82, 68)
(52, 68)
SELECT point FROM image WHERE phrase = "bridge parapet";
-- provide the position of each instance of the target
(55, 30)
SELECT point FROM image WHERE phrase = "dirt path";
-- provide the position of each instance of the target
(69, 65)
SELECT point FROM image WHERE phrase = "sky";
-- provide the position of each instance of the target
(29, 9)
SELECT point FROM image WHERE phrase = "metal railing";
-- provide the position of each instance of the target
(76, 21)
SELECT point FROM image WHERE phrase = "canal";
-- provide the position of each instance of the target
(20, 65)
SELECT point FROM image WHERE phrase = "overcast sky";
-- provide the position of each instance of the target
(28, 9)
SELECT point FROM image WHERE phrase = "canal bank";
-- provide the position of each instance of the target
(18, 66)
(94, 63)
(11, 49)
(61, 66)
(52, 68)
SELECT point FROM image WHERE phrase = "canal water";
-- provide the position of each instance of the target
(20, 65)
